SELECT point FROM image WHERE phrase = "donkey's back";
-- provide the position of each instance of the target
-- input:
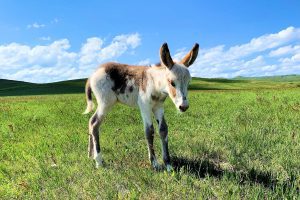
(116, 82)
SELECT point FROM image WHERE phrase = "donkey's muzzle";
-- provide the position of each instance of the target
(183, 108)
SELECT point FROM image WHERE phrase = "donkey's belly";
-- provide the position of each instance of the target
(129, 99)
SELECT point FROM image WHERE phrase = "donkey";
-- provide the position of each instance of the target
(142, 86)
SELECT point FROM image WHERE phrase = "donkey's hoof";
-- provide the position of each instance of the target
(169, 168)
(99, 161)
(99, 164)
(156, 166)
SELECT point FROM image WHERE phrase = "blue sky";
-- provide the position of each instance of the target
(45, 41)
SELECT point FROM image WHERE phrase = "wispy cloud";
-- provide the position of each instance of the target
(54, 21)
(36, 25)
(54, 62)
(45, 38)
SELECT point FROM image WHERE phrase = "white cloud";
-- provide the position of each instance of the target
(54, 62)
(119, 45)
(258, 57)
(90, 50)
(295, 59)
(270, 54)
(35, 25)
(264, 42)
(285, 50)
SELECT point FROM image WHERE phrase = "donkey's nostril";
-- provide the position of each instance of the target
(183, 108)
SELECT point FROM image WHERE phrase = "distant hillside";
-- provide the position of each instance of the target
(11, 84)
(244, 83)
(284, 78)
(19, 88)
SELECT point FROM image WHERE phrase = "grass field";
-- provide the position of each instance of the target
(239, 139)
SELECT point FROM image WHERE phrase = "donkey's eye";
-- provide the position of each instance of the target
(172, 83)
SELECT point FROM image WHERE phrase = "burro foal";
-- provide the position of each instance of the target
(142, 86)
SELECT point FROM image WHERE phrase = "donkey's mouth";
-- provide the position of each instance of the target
(183, 108)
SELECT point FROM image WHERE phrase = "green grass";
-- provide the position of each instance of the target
(231, 143)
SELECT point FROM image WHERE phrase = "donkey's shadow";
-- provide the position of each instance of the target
(199, 168)
(204, 167)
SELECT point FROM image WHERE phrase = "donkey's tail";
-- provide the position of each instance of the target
(88, 95)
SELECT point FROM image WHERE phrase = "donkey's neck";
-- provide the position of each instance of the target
(158, 76)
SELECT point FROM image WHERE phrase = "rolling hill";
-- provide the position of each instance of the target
(18, 88)
(283, 78)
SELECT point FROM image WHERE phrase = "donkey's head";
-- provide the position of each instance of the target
(178, 76)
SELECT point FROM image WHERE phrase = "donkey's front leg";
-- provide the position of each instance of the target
(163, 132)
(149, 131)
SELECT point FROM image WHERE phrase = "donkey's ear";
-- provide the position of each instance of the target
(191, 56)
(165, 56)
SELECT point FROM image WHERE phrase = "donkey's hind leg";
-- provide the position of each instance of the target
(91, 146)
(94, 137)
